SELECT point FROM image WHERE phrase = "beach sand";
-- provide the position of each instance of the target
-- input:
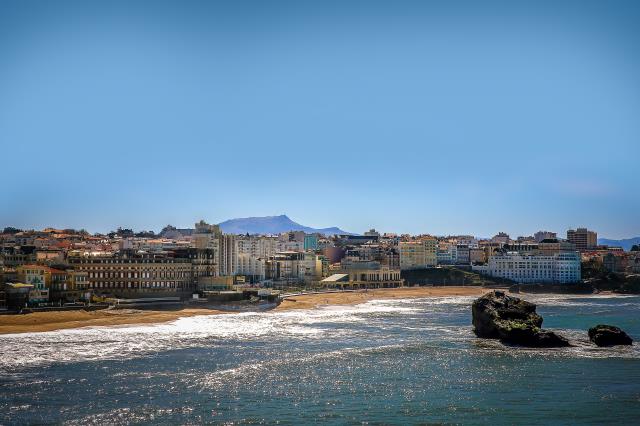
(50, 321)
(309, 301)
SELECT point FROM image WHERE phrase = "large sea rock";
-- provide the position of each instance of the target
(512, 320)
(609, 335)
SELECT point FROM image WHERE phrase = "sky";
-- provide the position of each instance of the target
(440, 117)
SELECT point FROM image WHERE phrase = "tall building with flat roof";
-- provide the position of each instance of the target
(583, 238)
(418, 254)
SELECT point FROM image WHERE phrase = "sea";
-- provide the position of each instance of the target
(413, 361)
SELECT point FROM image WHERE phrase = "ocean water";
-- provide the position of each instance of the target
(384, 362)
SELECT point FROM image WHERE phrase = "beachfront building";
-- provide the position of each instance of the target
(294, 267)
(252, 268)
(134, 274)
(560, 268)
(418, 254)
(39, 277)
(369, 275)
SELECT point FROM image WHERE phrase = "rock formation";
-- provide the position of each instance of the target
(512, 320)
(608, 335)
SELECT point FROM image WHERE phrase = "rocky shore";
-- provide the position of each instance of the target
(512, 320)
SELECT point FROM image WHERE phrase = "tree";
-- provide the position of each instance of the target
(635, 247)
(126, 232)
(145, 234)
(11, 230)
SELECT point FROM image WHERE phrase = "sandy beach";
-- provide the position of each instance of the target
(309, 301)
(50, 321)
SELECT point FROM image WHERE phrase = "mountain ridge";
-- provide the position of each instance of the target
(272, 225)
(625, 243)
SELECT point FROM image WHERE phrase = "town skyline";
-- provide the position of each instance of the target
(310, 229)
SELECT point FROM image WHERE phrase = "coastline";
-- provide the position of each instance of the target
(310, 301)
(60, 320)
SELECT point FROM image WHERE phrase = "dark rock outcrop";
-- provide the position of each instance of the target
(512, 320)
(609, 335)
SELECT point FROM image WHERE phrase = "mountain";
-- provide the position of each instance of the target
(625, 244)
(271, 225)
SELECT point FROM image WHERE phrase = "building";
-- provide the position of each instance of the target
(256, 245)
(39, 277)
(583, 238)
(215, 284)
(419, 254)
(361, 273)
(13, 256)
(501, 238)
(69, 286)
(134, 274)
(463, 254)
(372, 233)
(477, 256)
(311, 242)
(446, 253)
(633, 265)
(3, 297)
(228, 254)
(17, 295)
(354, 240)
(294, 267)
(553, 246)
(544, 235)
(381, 277)
(561, 268)
(251, 267)
(205, 236)
(615, 262)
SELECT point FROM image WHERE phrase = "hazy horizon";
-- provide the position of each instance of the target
(409, 117)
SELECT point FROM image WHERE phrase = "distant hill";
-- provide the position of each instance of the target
(271, 225)
(625, 244)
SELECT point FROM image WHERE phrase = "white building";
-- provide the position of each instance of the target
(257, 245)
(560, 268)
(251, 266)
(294, 266)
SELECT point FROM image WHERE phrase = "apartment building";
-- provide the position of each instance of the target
(257, 246)
(418, 254)
(40, 278)
(253, 268)
(583, 238)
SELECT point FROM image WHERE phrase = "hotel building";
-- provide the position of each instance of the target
(130, 274)
(560, 268)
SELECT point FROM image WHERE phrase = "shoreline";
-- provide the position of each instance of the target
(61, 320)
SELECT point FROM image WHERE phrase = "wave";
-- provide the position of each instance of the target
(443, 320)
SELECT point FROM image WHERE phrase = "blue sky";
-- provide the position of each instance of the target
(420, 117)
